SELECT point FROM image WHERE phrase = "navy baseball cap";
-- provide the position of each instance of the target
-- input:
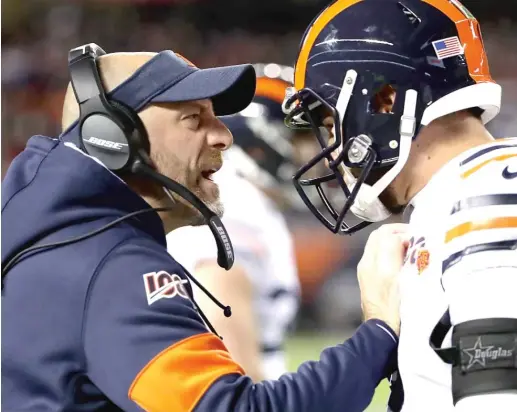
(169, 77)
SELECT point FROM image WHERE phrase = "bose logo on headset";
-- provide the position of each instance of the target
(227, 244)
(223, 236)
(108, 144)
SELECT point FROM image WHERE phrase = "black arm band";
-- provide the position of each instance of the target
(486, 357)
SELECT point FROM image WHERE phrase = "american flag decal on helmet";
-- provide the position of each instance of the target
(448, 47)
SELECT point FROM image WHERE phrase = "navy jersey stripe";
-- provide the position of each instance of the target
(482, 201)
(484, 151)
(483, 247)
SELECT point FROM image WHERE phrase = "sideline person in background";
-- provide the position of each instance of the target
(255, 182)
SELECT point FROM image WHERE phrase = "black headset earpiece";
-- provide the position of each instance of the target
(108, 130)
(136, 133)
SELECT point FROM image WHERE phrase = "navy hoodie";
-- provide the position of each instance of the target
(108, 323)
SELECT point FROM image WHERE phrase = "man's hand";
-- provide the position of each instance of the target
(378, 272)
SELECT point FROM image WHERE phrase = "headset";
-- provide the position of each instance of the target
(114, 134)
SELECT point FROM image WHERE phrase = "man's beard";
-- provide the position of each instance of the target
(215, 205)
(184, 210)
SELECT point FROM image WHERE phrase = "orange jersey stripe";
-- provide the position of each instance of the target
(474, 169)
(467, 227)
(468, 33)
(177, 378)
(310, 38)
(273, 89)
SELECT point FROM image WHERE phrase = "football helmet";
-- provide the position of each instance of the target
(428, 54)
(264, 149)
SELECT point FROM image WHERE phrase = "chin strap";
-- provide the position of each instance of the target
(367, 205)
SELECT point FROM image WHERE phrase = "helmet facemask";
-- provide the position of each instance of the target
(351, 148)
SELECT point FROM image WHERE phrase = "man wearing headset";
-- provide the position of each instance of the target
(97, 314)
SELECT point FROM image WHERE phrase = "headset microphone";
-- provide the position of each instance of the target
(225, 257)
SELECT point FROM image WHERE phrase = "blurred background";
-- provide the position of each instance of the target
(36, 37)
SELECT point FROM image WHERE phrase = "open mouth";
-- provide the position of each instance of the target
(207, 174)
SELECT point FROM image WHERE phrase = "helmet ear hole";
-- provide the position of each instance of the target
(384, 100)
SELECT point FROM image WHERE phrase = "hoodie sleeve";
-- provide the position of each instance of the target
(146, 348)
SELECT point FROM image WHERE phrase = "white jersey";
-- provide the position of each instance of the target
(462, 256)
(263, 246)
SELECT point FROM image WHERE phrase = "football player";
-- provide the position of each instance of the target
(255, 182)
(398, 93)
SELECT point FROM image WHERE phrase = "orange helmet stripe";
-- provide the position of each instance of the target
(468, 30)
(273, 89)
(317, 26)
